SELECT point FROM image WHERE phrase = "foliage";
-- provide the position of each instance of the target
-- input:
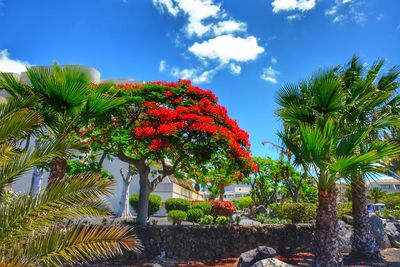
(265, 219)
(391, 200)
(87, 163)
(194, 215)
(177, 204)
(208, 219)
(245, 203)
(222, 208)
(154, 203)
(295, 212)
(391, 214)
(376, 194)
(221, 220)
(177, 216)
(7, 197)
(203, 205)
(344, 209)
(238, 219)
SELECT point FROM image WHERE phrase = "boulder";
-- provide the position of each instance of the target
(345, 234)
(348, 219)
(271, 262)
(379, 231)
(248, 258)
(392, 231)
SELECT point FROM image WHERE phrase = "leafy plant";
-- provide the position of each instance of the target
(194, 215)
(177, 216)
(177, 204)
(203, 205)
(221, 220)
(376, 194)
(344, 209)
(295, 212)
(154, 203)
(264, 219)
(222, 208)
(245, 203)
(208, 219)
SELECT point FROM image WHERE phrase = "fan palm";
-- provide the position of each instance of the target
(366, 102)
(376, 194)
(68, 100)
(34, 230)
(315, 108)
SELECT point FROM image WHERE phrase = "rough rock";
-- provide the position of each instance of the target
(345, 234)
(250, 257)
(271, 263)
(392, 231)
(379, 231)
(348, 219)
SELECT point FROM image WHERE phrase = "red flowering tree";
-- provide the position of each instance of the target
(177, 126)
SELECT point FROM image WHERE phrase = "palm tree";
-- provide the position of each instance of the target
(66, 100)
(376, 194)
(34, 230)
(366, 102)
(315, 108)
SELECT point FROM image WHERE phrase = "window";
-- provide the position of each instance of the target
(385, 186)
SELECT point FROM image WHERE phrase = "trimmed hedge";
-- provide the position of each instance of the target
(194, 215)
(221, 220)
(177, 216)
(296, 212)
(245, 203)
(177, 204)
(154, 203)
(203, 205)
(208, 219)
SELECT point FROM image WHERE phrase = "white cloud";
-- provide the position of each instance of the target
(332, 11)
(234, 69)
(11, 65)
(226, 48)
(274, 60)
(338, 19)
(167, 5)
(346, 1)
(270, 75)
(229, 26)
(294, 17)
(195, 75)
(163, 66)
(290, 5)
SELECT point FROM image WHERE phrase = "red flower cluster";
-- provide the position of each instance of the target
(181, 110)
(222, 208)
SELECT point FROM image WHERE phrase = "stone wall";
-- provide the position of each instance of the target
(216, 242)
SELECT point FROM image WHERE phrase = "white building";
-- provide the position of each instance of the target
(236, 192)
(386, 184)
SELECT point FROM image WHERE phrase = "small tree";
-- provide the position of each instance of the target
(173, 125)
(376, 194)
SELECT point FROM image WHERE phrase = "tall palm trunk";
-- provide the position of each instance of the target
(326, 231)
(58, 168)
(364, 244)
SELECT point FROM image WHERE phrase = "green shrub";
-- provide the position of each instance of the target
(203, 205)
(391, 214)
(238, 219)
(177, 216)
(221, 220)
(208, 219)
(264, 219)
(194, 215)
(154, 203)
(295, 212)
(177, 204)
(245, 203)
(391, 200)
(344, 209)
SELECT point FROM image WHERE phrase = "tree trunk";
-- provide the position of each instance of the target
(364, 244)
(144, 195)
(124, 211)
(37, 178)
(103, 157)
(221, 192)
(58, 169)
(326, 231)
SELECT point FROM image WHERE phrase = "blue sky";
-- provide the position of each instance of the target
(242, 50)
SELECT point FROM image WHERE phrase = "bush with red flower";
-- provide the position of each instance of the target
(222, 208)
